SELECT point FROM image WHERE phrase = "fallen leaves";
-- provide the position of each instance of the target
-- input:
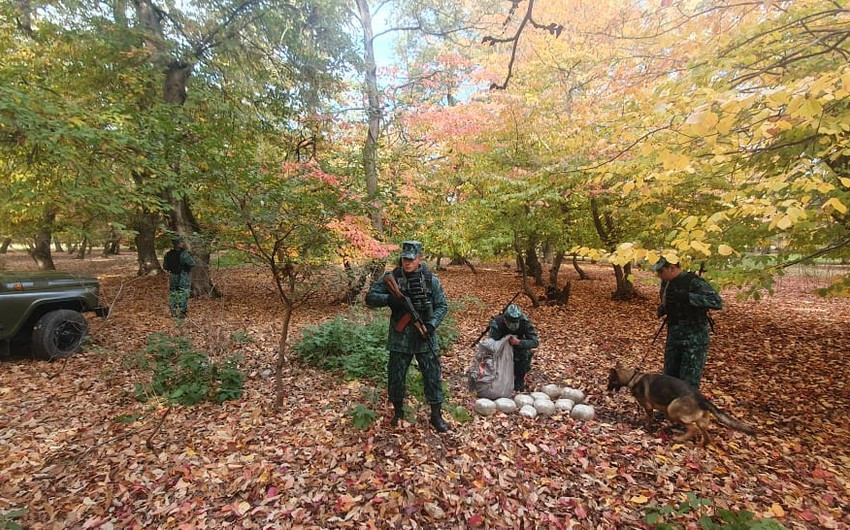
(244, 465)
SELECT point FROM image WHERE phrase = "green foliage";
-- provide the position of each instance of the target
(363, 417)
(241, 337)
(353, 343)
(460, 414)
(664, 518)
(7, 519)
(181, 374)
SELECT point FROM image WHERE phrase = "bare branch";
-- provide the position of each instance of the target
(553, 28)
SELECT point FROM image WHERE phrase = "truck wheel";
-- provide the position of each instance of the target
(58, 334)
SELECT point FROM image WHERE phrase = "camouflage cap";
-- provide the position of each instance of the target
(176, 240)
(411, 249)
(513, 312)
(658, 265)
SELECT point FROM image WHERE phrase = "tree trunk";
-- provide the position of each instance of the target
(625, 288)
(373, 113)
(57, 245)
(145, 226)
(23, 17)
(281, 354)
(41, 249)
(81, 254)
(112, 245)
(533, 263)
(5, 245)
(554, 270)
(547, 252)
(356, 281)
(535, 302)
(581, 274)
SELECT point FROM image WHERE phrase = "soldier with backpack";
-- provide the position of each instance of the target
(178, 262)
(685, 301)
(523, 338)
(415, 316)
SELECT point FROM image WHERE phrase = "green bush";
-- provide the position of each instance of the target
(181, 374)
(663, 518)
(353, 344)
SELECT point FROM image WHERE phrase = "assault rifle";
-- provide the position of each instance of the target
(411, 315)
(500, 312)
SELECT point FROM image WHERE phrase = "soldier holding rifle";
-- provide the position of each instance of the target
(418, 306)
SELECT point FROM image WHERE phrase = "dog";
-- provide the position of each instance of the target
(677, 400)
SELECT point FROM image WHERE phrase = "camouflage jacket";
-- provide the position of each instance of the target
(179, 278)
(686, 300)
(409, 340)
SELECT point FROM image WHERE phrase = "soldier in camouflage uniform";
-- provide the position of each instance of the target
(523, 338)
(178, 262)
(424, 290)
(685, 300)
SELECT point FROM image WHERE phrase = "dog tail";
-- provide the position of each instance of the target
(722, 417)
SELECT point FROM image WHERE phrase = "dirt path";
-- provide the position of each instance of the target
(780, 364)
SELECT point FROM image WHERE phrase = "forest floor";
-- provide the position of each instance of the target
(69, 455)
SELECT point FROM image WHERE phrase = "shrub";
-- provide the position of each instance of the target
(181, 374)
(721, 519)
(352, 343)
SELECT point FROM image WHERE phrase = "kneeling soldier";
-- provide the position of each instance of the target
(523, 338)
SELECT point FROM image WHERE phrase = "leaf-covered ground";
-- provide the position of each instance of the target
(779, 364)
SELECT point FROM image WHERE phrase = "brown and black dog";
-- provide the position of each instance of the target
(676, 399)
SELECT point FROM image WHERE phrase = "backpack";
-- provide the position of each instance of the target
(171, 262)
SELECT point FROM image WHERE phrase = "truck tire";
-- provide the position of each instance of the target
(59, 334)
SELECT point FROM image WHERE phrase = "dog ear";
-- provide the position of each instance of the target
(619, 365)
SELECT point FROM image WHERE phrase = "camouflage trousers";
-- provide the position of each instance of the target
(522, 365)
(178, 301)
(429, 365)
(686, 351)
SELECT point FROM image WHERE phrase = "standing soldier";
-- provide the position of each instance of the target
(685, 300)
(523, 338)
(178, 262)
(408, 337)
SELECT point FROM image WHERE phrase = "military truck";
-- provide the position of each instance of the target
(44, 310)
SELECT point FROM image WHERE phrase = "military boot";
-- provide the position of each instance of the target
(398, 413)
(437, 418)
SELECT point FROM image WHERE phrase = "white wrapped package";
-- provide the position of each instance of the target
(528, 411)
(523, 399)
(553, 391)
(485, 407)
(544, 407)
(506, 405)
(583, 412)
(564, 405)
(572, 393)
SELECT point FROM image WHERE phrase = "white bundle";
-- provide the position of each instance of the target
(528, 411)
(553, 391)
(506, 405)
(564, 405)
(523, 399)
(583, 412)
(544, 407)
(572, 393)
(485, 407)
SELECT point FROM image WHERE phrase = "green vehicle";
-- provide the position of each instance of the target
(44, 310)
